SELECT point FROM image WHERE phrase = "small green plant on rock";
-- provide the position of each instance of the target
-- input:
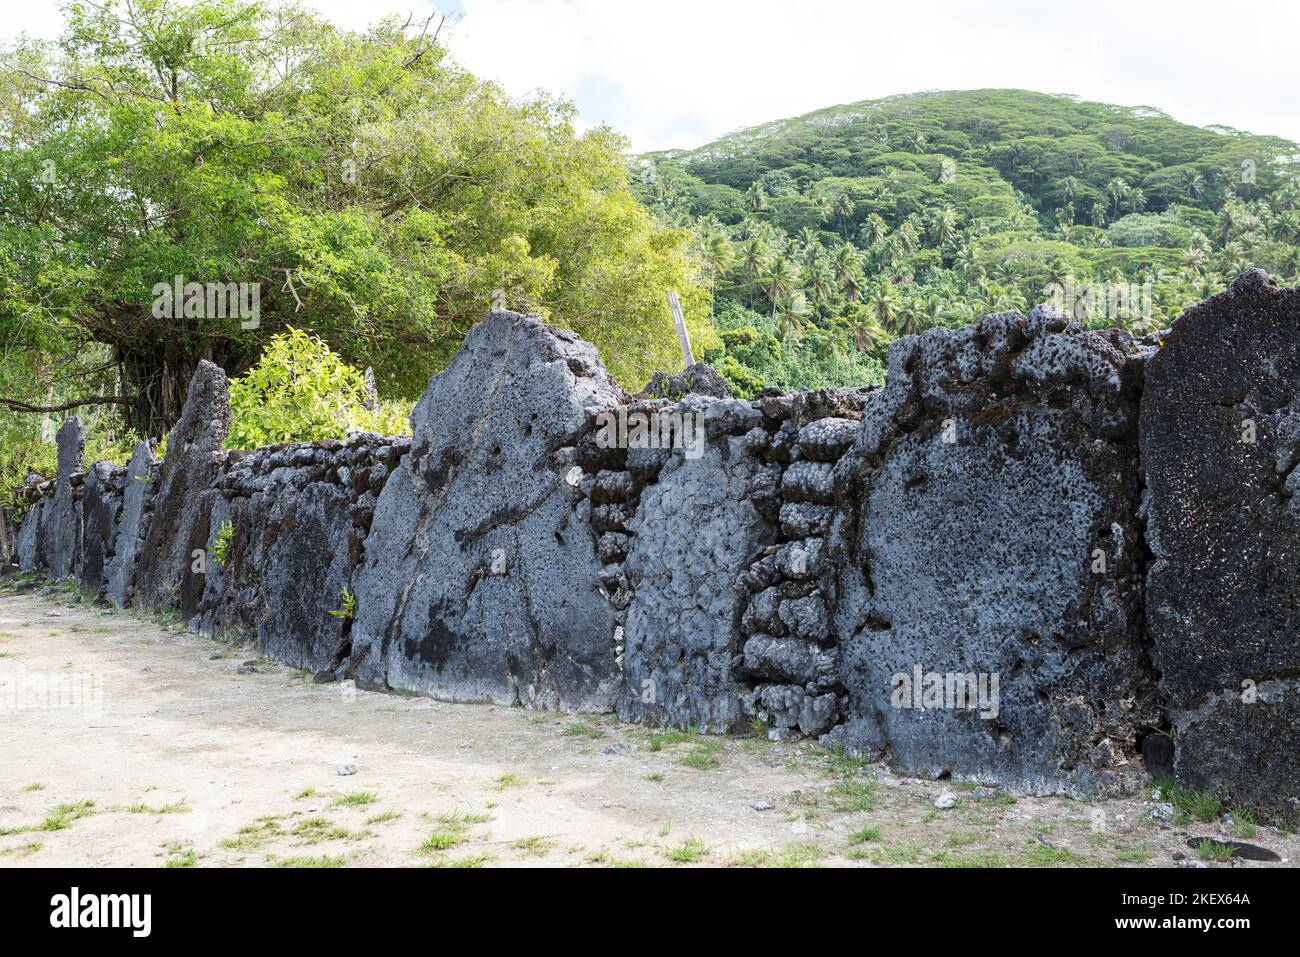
(348, 606)
(221, 544)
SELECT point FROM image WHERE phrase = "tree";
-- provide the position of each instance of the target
(882, 304)
(361, 187)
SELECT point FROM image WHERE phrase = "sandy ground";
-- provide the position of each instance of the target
(125, 741)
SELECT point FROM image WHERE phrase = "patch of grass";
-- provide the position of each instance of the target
(861, 836)
(64, 814)
(1134, 855)
(758, 726)
(252, 837)
(1210, 850)
(383, 817)
(139, 807)
(792, 855)
(692, 850)
(468, 860)
(962, 838)
(533, 846)
(1189, 804)
(656, 776)
(323, 861)
(36, 786)
(1165, 786)
(700, 760)
(974, 859)
(1038, 854)
(462, 819)
(854, 793)
(22, 850)
(904, 852)
(444, 839)
(581, 729)
(313, 830)
(355, 799)
(1243, 824)
(178, 857)
(454, 830)
(304, 794)
(509, 780)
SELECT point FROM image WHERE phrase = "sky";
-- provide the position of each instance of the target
(680, 73)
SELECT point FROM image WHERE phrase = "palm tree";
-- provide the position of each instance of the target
(1195, 258)
(882, 304)
(809, 241)
(755, 198)
(1116, 189)
(932, 309)
(1193, 183)
(1291, 262)
(779, 281)
(1069, 189)
(873, 230)
(846, 262)
(1058, 272)
(844, 209)
(754, 258)
(867, 333)
(944, 225)
(819, 280)
(908, 318)
(966, 261)
(789, 311)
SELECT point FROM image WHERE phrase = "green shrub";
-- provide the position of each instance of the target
(301, 391)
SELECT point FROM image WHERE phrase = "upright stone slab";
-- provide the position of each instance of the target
(30, 558)
(994, 536)
(480, 583)
(60, 528)
(695, 531)
(1220, 434)
(101, 507)
(299, 516)
(132, 525)
(164, 574)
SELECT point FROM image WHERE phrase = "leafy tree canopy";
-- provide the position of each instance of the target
(369, 190)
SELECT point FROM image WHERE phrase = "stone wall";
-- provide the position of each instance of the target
(1035, 557)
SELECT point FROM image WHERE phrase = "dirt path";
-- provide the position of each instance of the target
(180, 754)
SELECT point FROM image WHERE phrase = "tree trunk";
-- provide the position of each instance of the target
(158, 376)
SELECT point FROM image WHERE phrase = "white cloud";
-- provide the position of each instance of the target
(681, 72)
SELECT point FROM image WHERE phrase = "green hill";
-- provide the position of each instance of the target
(826, 235)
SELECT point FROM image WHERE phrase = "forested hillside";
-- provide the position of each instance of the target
(826, 235)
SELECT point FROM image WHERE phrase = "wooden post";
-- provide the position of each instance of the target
(683, 336)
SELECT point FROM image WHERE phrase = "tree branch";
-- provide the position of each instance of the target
(91, 400)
